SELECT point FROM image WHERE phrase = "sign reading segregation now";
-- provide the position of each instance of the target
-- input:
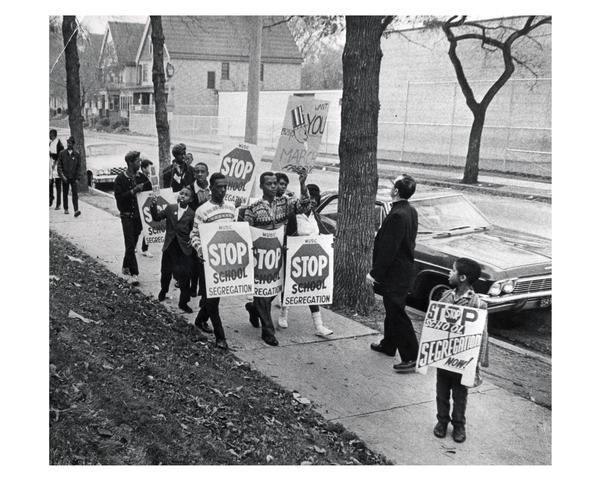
(226, 249)
(309, 271)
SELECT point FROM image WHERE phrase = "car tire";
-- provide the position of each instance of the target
(90, 179)
(431, 287)
(436, 292)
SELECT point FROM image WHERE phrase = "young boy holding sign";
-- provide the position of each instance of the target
(464, 273)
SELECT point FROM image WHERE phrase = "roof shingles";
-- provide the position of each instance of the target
(126, 37)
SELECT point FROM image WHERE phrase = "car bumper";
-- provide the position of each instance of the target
(515, 303)
(104, 178)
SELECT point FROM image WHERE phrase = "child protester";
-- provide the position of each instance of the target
(177, 253)
(464, 273)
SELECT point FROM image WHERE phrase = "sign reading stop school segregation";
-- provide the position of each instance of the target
(268, 261)
(154, 231)
(309, 271)
(451, 339)
(238, 164)
(226, 249)
(303, 126)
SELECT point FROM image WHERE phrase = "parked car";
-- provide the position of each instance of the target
(104, 162)
(516, 267)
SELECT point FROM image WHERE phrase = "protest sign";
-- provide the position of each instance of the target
(154, 180)
(226, 249)
(154, 232)
(303, 126)
(238, 164)
(268, 261)
(309, 271)
(451, 339)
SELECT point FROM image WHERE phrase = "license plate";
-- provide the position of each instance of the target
(545, 302)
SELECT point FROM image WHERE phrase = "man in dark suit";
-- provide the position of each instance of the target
(177, 253)
(393, 273)
(69, 166)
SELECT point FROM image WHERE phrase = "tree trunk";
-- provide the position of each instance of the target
(69, 32)
(251, 134)
(358, 179)
(160, 97)
(471, 171)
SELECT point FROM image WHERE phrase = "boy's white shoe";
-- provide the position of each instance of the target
(320, 329)
(282, 322)
(147, 254)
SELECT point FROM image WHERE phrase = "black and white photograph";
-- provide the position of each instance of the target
(299, 238)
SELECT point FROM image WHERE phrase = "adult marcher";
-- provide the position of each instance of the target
(200, 186)
(393, 273)
(69, 170)
(176, 252)
(55, 148)
(213, 210)
(126, 188)
(269, 213)
(143, 177)
(179, 152)
(308, 223)
(282, 184)
(182, 174)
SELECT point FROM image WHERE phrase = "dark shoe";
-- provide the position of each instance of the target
(254, 320)
(270, 340)
(66, 212)
(162, 295)
(440, 429)
(222, 344)
(379, 348)
(405, 367)
(193, 294)
(205, 327)
(185, 307)
(459, 434)
(57, 207)
(77, 213)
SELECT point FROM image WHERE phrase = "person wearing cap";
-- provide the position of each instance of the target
(393, 273)
(69, 170)
(182, 175)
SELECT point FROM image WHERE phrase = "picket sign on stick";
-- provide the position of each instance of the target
(226, 250)
(268, 261)
(239, 165)
(304, 122)
(451, 339)
(309, 271)
(154, 232)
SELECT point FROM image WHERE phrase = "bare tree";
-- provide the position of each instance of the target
(495, 38)
(160, 96)
(69, 31)
(358, 179)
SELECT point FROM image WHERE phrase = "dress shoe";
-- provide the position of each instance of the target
(379, 348)
(133, 280)
(270, 340)
(185, 307)
(162, 295)
(254, 320)
(222, 344)
(77, 213)
(205, 327)
(193, 294)
(440, 429)
(66, 212)
(405, 367)
(459, 434)
(57, 207)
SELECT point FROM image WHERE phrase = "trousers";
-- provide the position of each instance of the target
(209, 308)
(398, 331)
(132, 227)
(174, 263)
(74, 193)
(449, 383)
(262, 307)
(56, 183)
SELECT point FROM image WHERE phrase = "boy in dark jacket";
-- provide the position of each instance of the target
(177, 253)
(68, 167)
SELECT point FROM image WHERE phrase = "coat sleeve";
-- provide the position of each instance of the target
(249, 216)
(389, 239)
(195, 235)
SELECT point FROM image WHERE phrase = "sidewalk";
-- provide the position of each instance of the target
(511, 185)
(347, 382)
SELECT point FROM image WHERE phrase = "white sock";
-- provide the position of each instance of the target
(320, 329)
(283, 317)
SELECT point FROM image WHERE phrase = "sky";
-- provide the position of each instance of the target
(97, 23)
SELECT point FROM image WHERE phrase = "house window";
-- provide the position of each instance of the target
(262, 72)
(225, 71)
(210, 80)
(139, 74)
(145, 73)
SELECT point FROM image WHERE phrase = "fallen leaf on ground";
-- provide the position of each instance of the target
(269, 458)
(74, 259)
(306, 463)
(73, 314)
(300, 399)
(104, 433)
(54, 278)
(76, 284)
(318, 449)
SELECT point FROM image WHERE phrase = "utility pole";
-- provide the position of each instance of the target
(251, 135)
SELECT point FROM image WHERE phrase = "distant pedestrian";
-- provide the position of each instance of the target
(464, 273)
(270, 213)
(69, 170)
(143, 177)
(126, 188)
(176, 252)
(178, 150)
(214, 210)
(182, 174)
(308, 224)
(393, 273)
(55, 181)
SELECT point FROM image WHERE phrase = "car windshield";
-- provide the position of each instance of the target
(448, 214)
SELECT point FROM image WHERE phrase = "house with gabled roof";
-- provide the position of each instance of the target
(205, 55)
(118, 69)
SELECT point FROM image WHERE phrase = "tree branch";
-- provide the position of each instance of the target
(278, 23)
(458, 68)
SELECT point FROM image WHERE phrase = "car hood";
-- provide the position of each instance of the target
(501, 248)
